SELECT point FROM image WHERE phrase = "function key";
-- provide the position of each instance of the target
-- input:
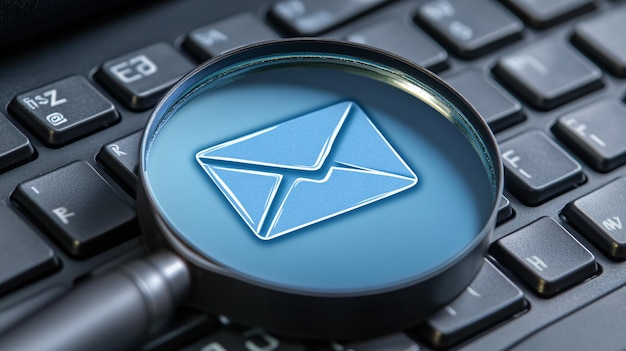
(23, 255)
(490, 299)
(404, 39)
(546, 256)
(601, 217)
(65, 110)
(14, 146)
(141, 77)
(538, 169)
(548, 74)
(603, 38)
(312, 17)
(499, 109)
(545, 13)
(121, 157)
(228, 34)
(78, 207)
(596, 132)
(461, 25)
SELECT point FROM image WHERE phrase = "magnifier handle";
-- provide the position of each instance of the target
(114, 312)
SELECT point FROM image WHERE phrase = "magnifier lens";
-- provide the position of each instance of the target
(312, 177)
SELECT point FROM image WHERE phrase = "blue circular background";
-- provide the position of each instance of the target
(378, 246)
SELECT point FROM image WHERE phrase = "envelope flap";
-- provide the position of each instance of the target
(301, 143)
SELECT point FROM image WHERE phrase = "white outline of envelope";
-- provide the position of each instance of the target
(274, 180)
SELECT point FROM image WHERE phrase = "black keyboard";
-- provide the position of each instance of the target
(547, 76)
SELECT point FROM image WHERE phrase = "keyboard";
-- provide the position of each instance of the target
(547, 76)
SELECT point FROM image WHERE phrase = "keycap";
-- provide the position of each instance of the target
(139, 78)
(599, 325)
(536, 168)
(230, 338)
(600, 215)
(505, 210)
(548, 74)
(461, 25)
(121, 157)
(595, 132)
(490, 299)
(78, 208)
(499, 109)
(602, 38)
(312, 17)
(546, 13)
(24, 256)
(545, 256)
(186, 326)
(227, 34)
(65, 110)
(404, 39)
(14, 145)
(395, 341)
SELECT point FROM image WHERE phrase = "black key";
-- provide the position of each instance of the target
(23, 255)
(65, 110)
(141, 77)
(228, 34)
(499, 109)
(596, 132)
(601, 217)
(546, 256)
(404, 39)
(14, 145)
(603, 38)
(548, 74)
(397, 341)
(490, 299)
(312, 17)
(538, 169)
(546, 13)
(78, 207)
(121, 157)
(185, 327)
(505, 210)
(233, 339)
(461, 25)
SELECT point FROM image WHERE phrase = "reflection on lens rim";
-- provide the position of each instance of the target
(298, 312)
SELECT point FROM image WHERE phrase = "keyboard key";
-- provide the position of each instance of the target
(121, 157)
(461, 25)
(140, 78)
(499, 109)
(228, 34)
(397, 341)
(23, 255)
(14, 145)
(546, 256)
(546, 13)
(596, 133)
(537, 169)
(233, 339)
(78, 208)
(186, 326)
(548, 74)
(65, 110)
(602, 37)
(404, 39)
(312, 17)
(490, 299)
(505, 210)
(599, 217)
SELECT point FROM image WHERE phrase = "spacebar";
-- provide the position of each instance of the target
(600, 324)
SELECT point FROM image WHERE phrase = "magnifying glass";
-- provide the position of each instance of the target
(316, 188)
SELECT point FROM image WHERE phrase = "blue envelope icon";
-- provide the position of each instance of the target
(306, 170)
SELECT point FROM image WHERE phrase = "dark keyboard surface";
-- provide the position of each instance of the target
(546, 76)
